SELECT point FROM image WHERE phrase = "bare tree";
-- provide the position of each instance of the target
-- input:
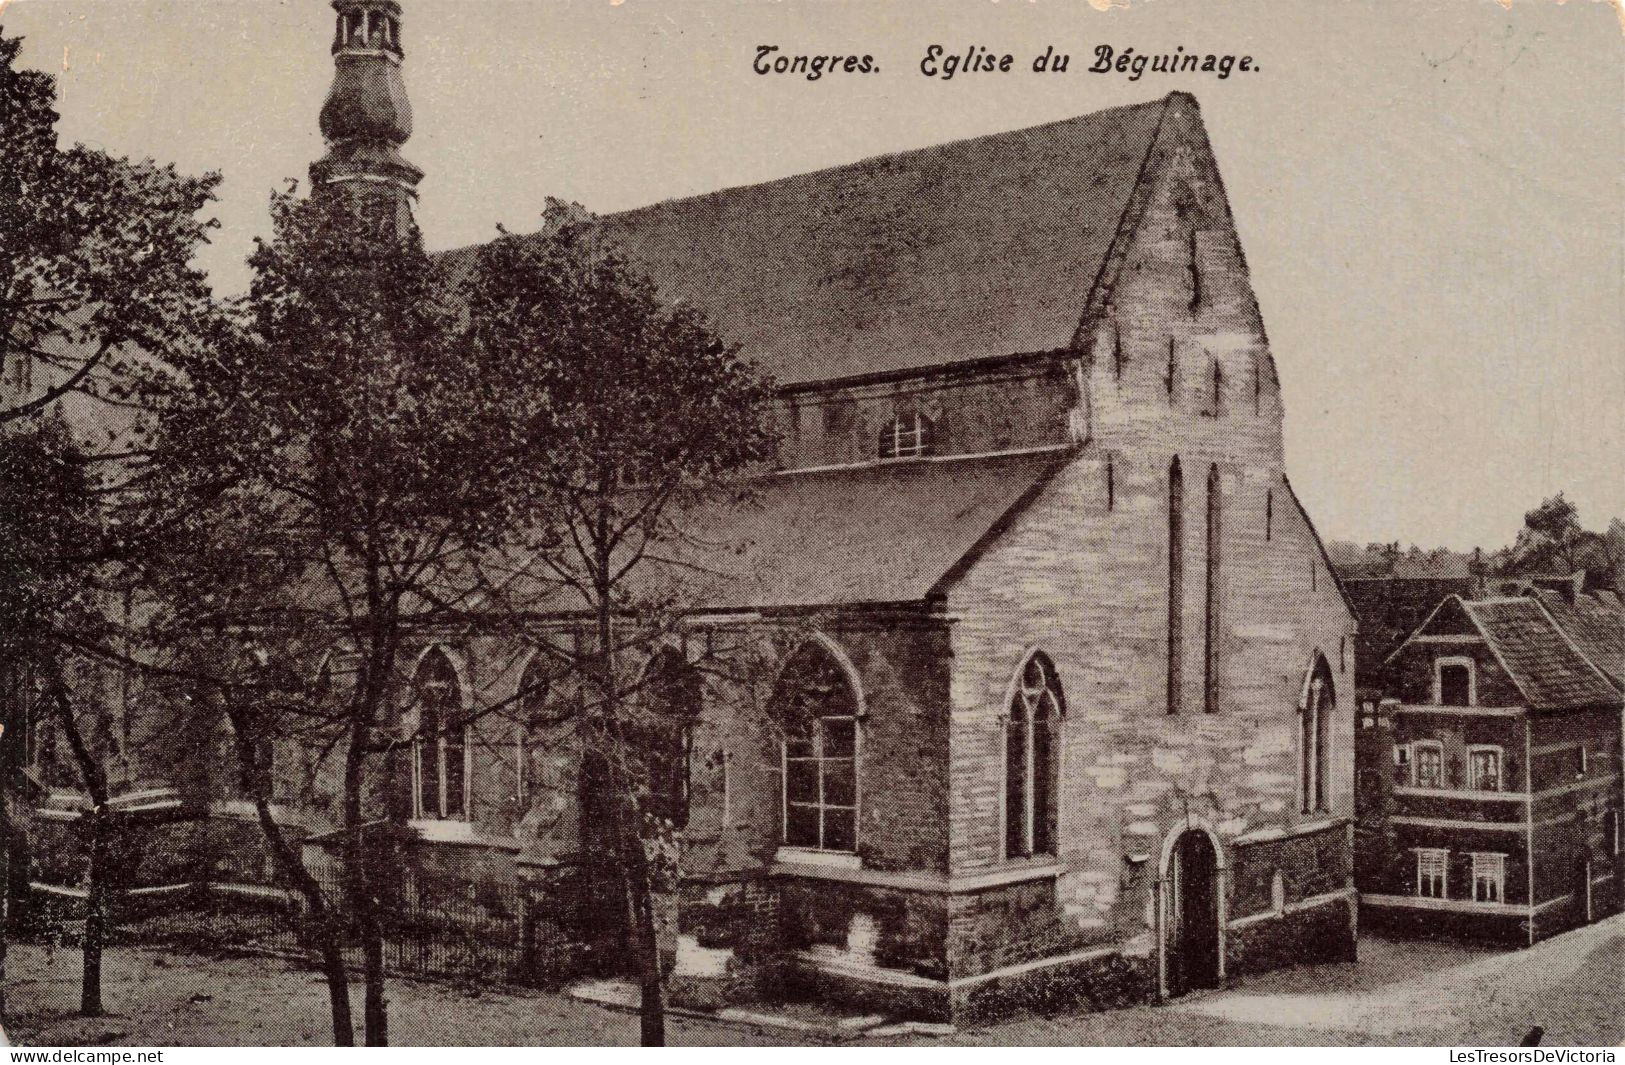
(649, 414)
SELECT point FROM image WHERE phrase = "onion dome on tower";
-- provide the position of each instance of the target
(366, 117)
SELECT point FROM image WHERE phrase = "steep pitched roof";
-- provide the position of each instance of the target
(1389, 609)
(1544, 665)
(889, 533)
(885, 533)
(1595, 624)
(972, 249)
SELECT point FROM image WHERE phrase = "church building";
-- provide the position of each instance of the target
(1080, 674)
(1083, 672)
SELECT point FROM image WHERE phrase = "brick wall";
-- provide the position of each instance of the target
(1021, 403)
(1573, 811)
(1412, 672)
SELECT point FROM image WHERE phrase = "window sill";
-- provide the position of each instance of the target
(435, 830)
(1469, 794)
(812, 856)
(792, 865)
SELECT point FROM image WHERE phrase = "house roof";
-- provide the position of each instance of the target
(1595, 624)
(1390, 608)
(972, 249)
(889, 533)
(1545, 665)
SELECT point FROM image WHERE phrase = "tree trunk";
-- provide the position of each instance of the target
(645, 941)
(628, 820)
(96, 907)
(5, 861)
(323, 923)
(376, 1006)
(96, 917)
(358, 885)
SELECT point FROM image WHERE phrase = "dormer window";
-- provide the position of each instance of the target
(1454, 683)
(908, 436)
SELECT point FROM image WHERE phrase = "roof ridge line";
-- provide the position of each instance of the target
(1428, 620)
(1114, 253)
(916, 460)
(1160, 101)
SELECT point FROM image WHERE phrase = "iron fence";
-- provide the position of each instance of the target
(435, 926)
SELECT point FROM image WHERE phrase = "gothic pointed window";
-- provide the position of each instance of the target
(908, 436)
(538, 715)
(439, 743)
(1030, 754)
(1314, 739)
(818, 709)
(663, 733)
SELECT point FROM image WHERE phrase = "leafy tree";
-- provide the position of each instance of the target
(337, 462)
(96, 273)
(648, 413)
(1553, 542)
(97, 295)
(47, 521)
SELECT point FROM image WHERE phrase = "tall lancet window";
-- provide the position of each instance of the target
(819, 708)
(1176, 582)
(1210, 637)
(440, 768)
(1314, 721)
(1030, 755)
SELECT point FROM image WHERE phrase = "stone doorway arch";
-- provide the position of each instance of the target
(1191, 909)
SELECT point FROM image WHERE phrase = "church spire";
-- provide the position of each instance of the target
(366, 117)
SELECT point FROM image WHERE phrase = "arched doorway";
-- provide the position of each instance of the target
(1193, 914)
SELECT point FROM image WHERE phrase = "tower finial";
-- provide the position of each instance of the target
(367, 117)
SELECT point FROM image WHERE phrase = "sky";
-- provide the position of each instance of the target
(1430, 193)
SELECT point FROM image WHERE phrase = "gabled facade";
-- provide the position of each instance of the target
(1490, 786)
(1087, 672)
(1073, 676)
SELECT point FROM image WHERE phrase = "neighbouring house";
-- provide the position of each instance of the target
(1392, 592)
(1489, 781)
(1074, 675)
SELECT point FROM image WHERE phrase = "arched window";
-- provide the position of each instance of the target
(1211, 633)
(1314, 739)
(440, 762)
(1030, 754)
(668, 708)
(1176, 582)
(908, 436)
(535, 710)
(819, 710)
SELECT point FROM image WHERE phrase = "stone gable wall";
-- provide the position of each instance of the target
(1083, 575)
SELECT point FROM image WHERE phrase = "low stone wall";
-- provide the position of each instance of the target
(219, 846)
(1502, 929)
(729, 947)
(889, 928)
(1095, 980)
(1322, 933)
(810, 980)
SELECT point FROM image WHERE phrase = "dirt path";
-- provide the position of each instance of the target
(161, 999)
(1400, 993)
